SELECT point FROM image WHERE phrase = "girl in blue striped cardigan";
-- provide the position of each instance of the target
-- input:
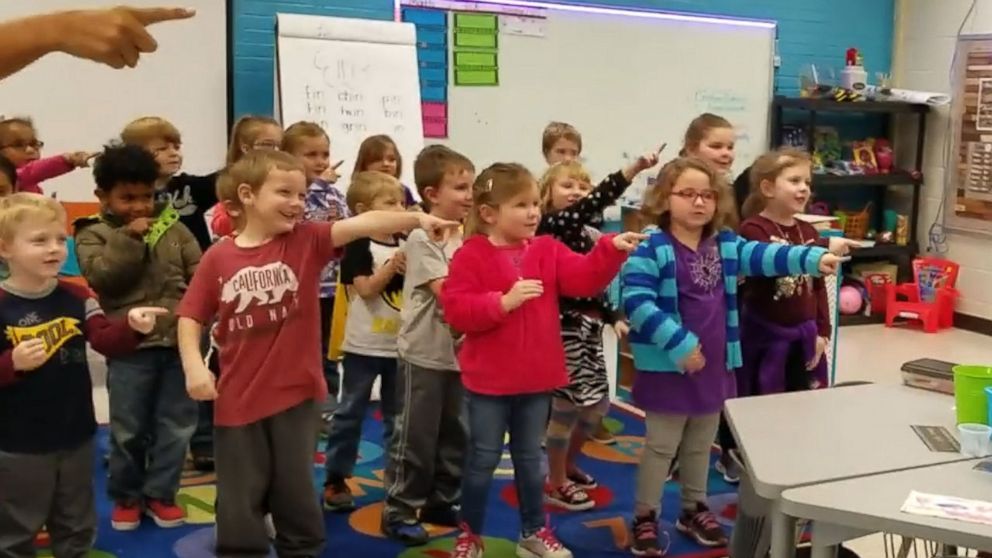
(679, 291)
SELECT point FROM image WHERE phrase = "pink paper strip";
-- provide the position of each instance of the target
(435, 127)
(434, 110)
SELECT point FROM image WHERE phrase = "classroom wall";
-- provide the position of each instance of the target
(924, 46)
(810, 31)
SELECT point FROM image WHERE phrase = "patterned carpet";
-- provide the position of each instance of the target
(600, 532)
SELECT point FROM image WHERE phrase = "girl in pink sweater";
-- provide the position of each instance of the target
(502, 293)
(19, 143)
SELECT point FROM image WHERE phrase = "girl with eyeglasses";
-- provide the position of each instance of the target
(19, 143)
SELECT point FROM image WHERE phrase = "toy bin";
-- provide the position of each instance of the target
(970, 398)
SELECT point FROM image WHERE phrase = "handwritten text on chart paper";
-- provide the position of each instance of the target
(352, 110)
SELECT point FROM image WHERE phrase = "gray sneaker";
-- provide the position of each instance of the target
(542, 544)
(729, 465)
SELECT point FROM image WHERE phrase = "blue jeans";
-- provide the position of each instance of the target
(151, 422)
(489, 417)
(360, 372)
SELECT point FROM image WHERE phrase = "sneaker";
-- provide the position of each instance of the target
(444, 516)
(337, 496)
(570, 497)
(729, 467)
(603, 436)
(467, 545)
(583, 479)
(408, 531)
(673, 469)
(325, 424)
(701, 525)
(644, 536)
(165, 513)
(542, 544)
(126, 516)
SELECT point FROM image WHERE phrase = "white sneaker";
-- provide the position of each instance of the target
(467, 545)
(542, 544)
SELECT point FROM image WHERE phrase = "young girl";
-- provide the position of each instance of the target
(324, 202)
(679, 290)
(502, 293)
(379, 153)
(249, 132)
(19, 143)
(569, 204)
(786, 320)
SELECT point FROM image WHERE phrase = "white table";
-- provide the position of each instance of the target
(798, 439)
(853, 508)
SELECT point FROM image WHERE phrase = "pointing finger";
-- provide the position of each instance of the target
(148, 16)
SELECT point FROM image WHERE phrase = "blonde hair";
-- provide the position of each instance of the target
(374, 149)
(295, 134)
(15, 209)
(367, 186)
(768, 167)
(496, 185)
(656, 209)
(432, 163)
(558, 171)
(149, 128)
(699, 128)
(244, 132)
(253, 169)
(555, 131)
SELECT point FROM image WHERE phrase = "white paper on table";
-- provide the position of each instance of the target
(948, 507)
(908, 96)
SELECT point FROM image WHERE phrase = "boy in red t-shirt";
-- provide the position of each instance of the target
(260, 285)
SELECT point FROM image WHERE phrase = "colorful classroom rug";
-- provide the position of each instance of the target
(601, 532)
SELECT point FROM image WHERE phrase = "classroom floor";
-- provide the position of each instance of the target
(871, 353)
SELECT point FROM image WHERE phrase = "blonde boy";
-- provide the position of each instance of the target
(260, 285)
(561, 142)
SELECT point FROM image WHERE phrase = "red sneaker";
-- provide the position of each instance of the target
(165, 513)
(126, 516)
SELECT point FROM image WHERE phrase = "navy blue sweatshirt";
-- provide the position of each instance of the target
(51, 408)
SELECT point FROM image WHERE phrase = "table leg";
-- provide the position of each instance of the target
(783, 543)
(823, 550)
(750, 537)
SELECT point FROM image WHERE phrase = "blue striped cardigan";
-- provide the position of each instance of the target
(649, 294)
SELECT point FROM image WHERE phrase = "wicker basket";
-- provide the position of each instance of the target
(856, 223)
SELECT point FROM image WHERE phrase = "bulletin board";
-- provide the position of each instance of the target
(494, 74)
(968, 203)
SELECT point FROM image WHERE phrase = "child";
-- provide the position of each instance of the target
(561, 143)
(502, 292)
(260, 284)
(379, 153)
(711, 138)
(19, 143)
(324, 202)
(136, 253)
(372, 270)
(191, 196)
(679, 290)
(786, 322)
(428, 444)
(248, 133)
(8, 177)
(569, 203)
(46, 399)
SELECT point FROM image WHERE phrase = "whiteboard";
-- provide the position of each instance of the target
(79, 105)
(628, 83)
(354, 77)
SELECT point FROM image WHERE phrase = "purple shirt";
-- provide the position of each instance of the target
(704, 312)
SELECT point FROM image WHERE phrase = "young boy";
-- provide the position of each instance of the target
(46, 399)
(560, 142)
(137, 253)
(191, 196)
(428, 445)
(372, 271)
(261, 284)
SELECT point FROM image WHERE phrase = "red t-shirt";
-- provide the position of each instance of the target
(265, 300)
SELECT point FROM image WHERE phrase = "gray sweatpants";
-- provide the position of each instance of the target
(427, 451)
(53, 489)
(267, 467)
(692, 438)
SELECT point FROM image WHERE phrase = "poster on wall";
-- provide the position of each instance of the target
(969, 180)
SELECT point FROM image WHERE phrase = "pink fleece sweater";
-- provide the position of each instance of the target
(31, 174)
(521, 351)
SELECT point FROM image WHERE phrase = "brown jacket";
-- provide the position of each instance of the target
(126, 271)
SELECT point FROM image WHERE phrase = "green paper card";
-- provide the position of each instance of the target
(472, 58)
(476, 21)
(476, 77)
(473, 39)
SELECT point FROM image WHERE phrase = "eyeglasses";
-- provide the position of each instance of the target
(692, 195)
(271, 145)
(22, 145)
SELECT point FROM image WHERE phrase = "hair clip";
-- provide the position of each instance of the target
(489, 185)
